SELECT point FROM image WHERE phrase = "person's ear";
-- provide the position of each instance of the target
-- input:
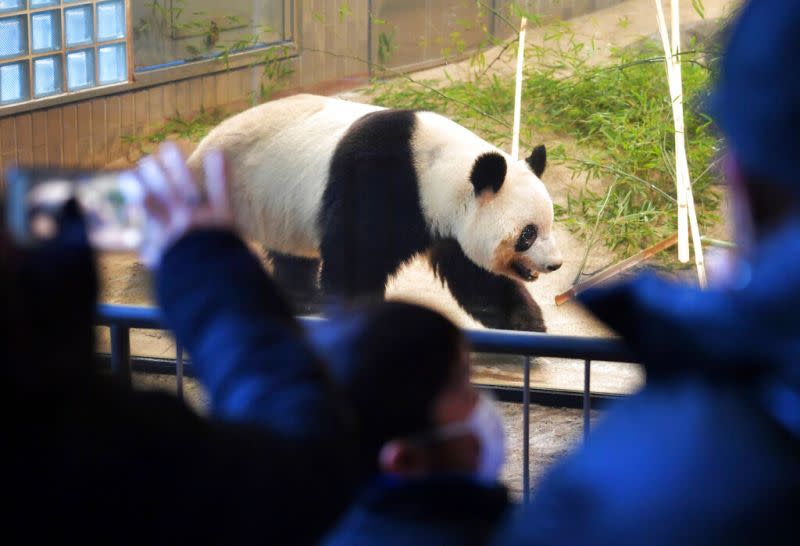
(740, 206)
(403, 459)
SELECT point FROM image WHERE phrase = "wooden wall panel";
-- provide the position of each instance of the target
(182, 100)
(170, 98)
(209, 93)
(195, 96)
(8, 142)
(99, 155)
(221, 89)
(24, 128)
(55, 137)
(84, 133)
(40, 137)
(141, 116)
(114, 129)
(155, 107)
(127, 122)
(70, 134)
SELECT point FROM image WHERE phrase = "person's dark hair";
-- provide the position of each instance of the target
(393, 367)
(49, 305)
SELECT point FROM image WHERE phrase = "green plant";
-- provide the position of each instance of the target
(276, 71)
(178, 127)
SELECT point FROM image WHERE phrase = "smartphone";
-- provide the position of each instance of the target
(112, 203)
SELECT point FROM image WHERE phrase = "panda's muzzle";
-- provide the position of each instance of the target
(525, 273)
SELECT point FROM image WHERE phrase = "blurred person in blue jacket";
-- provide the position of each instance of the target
(432, 447)
(93, 462)
(709, 451)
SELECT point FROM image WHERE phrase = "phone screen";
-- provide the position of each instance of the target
(111, 201)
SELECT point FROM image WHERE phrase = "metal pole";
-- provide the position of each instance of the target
(121, 354)
(587, 400)
(370, 60)
(526, 432)
(179, 370)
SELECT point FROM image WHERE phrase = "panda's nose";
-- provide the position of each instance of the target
(554, 267)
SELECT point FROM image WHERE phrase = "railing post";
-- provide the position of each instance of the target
(179, 370)
(121, 354)
(587, 398)
(526, 431)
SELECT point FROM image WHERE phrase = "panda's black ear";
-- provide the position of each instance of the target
(488, 172)
(537, 161)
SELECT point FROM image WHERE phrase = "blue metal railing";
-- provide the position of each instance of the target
(122, 318)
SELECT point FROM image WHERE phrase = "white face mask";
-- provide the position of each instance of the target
(486, 424)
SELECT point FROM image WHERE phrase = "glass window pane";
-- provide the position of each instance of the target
(47, 76)
(80, 69)
(204, 29)
(110, 20)
(13, 37)
(10, 5)
(78, 24)
(112, 66)
(13, 82)
(43, 3)
(45, 31)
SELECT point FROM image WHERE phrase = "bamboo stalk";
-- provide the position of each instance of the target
(682, 175)
(518, 92)
(616, 269)
(680, 186)
(680, 136)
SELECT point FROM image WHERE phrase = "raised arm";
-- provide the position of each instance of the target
(249, 352)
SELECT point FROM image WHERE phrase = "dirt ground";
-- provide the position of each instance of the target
(553, 431)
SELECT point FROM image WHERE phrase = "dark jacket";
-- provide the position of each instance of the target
(89, 462)
(709, 451)
(437, 511)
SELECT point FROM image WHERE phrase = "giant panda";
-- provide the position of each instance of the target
(365, 189)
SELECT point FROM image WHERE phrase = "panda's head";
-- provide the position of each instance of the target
(508, 228)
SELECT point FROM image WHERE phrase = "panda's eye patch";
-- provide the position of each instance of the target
(526, 238)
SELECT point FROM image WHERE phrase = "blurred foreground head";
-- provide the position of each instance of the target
(757, 105)
(406, 371)
(48, 300)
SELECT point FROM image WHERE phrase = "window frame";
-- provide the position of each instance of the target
(30, 56)
(141, 79)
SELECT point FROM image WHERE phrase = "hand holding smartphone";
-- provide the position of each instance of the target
(112, 203)
(144, 209)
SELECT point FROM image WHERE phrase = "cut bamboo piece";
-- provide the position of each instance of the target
(518, 92)
(616, 269)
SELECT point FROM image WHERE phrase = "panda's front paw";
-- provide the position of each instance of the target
(524, 314)
(527, 320)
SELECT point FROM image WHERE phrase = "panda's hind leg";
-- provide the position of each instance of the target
(494, 300)
(298, 278)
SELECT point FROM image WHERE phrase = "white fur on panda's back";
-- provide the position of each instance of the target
(279, 156)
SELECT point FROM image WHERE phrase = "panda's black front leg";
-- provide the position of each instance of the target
(494, 300)
(298, 278)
